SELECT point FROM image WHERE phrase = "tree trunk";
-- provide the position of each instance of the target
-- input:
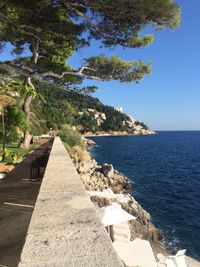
(4, 136)
(26, 109)
(28, 99)
(34, 48)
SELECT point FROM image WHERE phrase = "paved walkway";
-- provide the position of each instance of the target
(17, 199)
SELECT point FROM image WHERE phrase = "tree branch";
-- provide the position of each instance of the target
(28, 72)
(76, 73)
(79, 13)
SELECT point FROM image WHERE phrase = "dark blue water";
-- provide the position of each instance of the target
(165, 169)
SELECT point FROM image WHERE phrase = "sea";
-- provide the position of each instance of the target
(165, 172)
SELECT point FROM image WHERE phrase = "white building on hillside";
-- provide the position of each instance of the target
(120, 109)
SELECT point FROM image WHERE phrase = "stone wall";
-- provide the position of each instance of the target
(65, 230)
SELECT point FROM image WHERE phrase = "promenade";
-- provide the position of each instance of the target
(65, 230)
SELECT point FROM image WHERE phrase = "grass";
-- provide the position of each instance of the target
(19, 151)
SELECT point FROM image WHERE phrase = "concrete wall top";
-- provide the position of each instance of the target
(65, 230)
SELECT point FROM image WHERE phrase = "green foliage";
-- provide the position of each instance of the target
(52, 114)
(15, 117)
(15, 86)
(71, 137)
(88, 90)
(10, 156)
(57, 107)
(42, 26)
(12, 137)
(61, 22)
(120, 22)
(67, 109)
(117, 69)
(142, 124)
(67, 147)
(47, 114)
(52, 30)
(15, 120)
(13, 153)
(137, 41)
(88, 122)
(38, 128)
(28, 90)
(114, 120)
(55, 97)
(9, 85)
(51, 125)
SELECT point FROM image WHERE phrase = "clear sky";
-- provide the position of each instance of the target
(169, 98)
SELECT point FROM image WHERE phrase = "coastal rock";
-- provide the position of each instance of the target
(97, 178)
(89, 142)
(86, 167)
(133, 130)
(108, 170)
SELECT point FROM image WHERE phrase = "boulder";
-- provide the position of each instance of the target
(86, 166)
(89, 142)
(108, 170)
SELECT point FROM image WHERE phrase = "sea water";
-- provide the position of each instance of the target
(165, 171)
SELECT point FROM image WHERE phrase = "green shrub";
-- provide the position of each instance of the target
(78, 154)
(12, 137)
(51, 125)
(15, 117)
(10, 155)
(71, 137)
(67, 147)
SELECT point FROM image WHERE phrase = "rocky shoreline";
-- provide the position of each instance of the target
(121, 133)
(99, 177)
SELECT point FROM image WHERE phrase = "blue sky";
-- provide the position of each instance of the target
(169, 98)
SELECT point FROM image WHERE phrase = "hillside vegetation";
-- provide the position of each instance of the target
(55, 107)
